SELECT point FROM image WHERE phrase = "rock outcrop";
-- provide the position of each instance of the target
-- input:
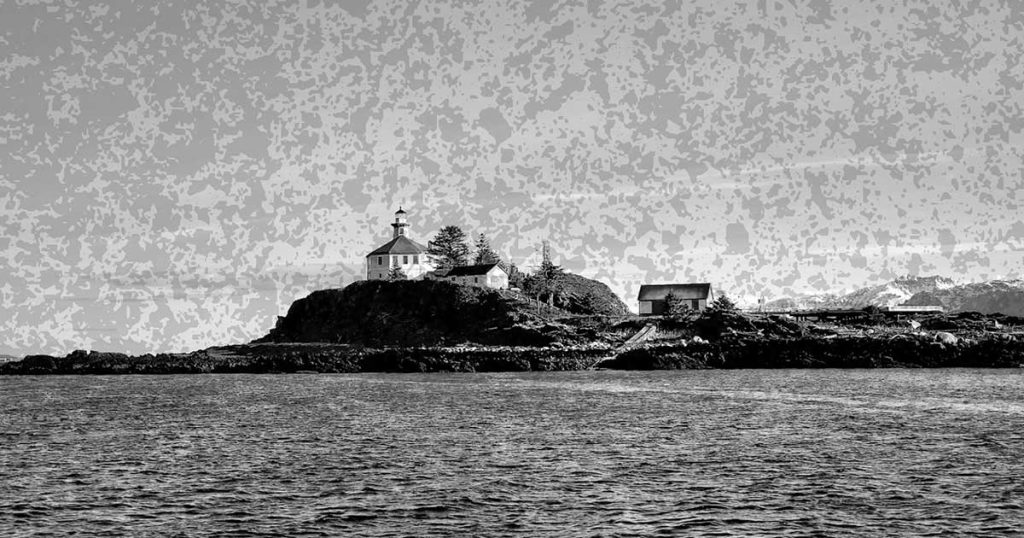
(412, 313)
(305, 358)
(839, 352)
(581, 295)
(427, 326)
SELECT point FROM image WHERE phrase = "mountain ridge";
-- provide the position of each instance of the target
(990, 297)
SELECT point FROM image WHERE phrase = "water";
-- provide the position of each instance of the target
(723, 453)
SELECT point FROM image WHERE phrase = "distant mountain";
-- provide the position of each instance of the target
(896, 292)
(9, 358)
(804, 302)
(997, 296)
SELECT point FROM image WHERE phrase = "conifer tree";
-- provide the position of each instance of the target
(675, 305)
(396, 273)
(485, 254)
(449, 248)
(723, 304)
(549, 276)
(516, 278)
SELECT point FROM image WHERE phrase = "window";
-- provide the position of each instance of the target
(476, 280)
(394, 260)
(380, 260)
(696, 304)
(405, 260)
(415, 258)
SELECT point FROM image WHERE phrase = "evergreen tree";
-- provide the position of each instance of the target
(485, 254)
(675, 305)
(516, 278)
(396, 273)
(549, 276)
(723, 304)
(548, 270)
(449, 248)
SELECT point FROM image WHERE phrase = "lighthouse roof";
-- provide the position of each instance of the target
(399, 245)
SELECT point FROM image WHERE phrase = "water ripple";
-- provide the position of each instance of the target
(766, 453)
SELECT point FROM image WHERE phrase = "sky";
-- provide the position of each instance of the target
(174, 174)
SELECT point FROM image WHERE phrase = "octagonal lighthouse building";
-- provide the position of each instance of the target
(400, 252)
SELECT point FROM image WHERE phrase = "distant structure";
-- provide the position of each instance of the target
(488, 275)
(694, 296)
(901, 309)
(401, 252)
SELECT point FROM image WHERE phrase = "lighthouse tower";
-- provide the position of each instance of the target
(400, 252)
(400, 223)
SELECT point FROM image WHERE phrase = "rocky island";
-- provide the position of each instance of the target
(437, 326)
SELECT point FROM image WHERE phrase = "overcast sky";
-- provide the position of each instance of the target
(174, 175)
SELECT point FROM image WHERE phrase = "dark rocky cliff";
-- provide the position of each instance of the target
(404, 313)
(430, 312)
(581, 295)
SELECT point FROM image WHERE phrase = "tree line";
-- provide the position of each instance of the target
(450, 248)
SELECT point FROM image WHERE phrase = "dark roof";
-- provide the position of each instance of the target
(657, 292)
(472, 270)
(399, 245)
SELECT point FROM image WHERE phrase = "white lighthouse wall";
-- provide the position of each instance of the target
(378, 266)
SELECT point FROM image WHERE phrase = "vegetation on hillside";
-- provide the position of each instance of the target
(559, 288)
(550, 283)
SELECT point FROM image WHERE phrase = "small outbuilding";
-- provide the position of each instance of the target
(488, 275)
(694, 296)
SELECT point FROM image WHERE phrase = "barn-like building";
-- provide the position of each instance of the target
(694, 296)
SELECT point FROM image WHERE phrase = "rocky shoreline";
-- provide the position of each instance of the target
(888, 351)
(836, 352)
(512, 342)
(313, 358)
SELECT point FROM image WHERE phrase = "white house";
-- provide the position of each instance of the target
(400, 252)
(488, 275)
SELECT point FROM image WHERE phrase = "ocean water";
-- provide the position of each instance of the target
(702, 453)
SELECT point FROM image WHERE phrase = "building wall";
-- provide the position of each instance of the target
(495, 279)
(646, 308)
(378, 266)
(659, 308)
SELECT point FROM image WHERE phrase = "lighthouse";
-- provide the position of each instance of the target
(400, 223)
(399, 253)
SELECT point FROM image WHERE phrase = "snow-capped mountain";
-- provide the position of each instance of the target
(996, 296)
(804, 302)
(896, 292)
